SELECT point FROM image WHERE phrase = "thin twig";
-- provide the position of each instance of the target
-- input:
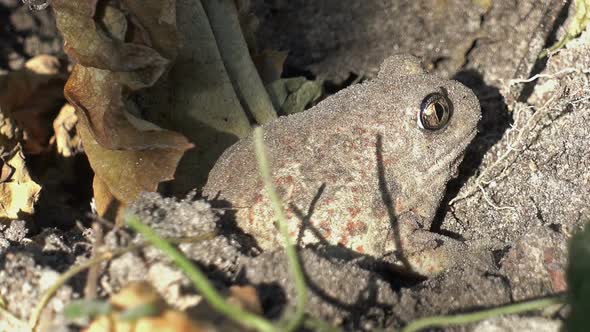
(537, 76)
(491, 203)
(515, 146)
(94, 271)
(64, 277)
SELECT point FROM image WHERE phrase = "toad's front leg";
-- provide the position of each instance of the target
(416, 250)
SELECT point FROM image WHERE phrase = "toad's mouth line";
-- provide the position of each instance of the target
(452, 159)
(448, 164)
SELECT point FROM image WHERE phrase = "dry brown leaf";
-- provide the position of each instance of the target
(102, 108)
(105, 203)
(18, 192)
(66, 139)
(159, 31)
(127, 173)
(102, 95)
(93, 46)
(135, 294)
(119, 52)
(6, 172)
(169, 321)
(31, 96)
(141, 294)
(245, 297)
(10, 133)
(18, 87)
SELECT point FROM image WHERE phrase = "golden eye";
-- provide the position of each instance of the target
(435, 112)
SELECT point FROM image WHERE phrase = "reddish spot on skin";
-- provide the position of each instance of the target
(250, 216)
(286, 180)
(360, 249)
(258, 199)
(558, 282)
(354, 211)
(555, 270)
(288, 213)
(350, 227)
(356, 228)
(387, 163)
(359, 130)
(380, 212)
(330, 212)
(399, 205)
(325, 228)
(343, 241)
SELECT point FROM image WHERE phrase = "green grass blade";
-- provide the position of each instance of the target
(199, 280)
(294, 263)
(441, 321)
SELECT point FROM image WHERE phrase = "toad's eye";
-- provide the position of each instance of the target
(435, 112)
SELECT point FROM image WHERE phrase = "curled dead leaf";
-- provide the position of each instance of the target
(159, 31)
(10, 133)
(31, 97)
(94, 38)
(6, 172)
(98, 95)
(158, 316)
(245, 297)
(66, 139)
(18, 192)
(127, 173)
(121, 48)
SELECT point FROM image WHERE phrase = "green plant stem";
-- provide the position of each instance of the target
(204, 105)
(440, 321)
(63, 278)
(199, 280)
(294, 264)
(223, 17)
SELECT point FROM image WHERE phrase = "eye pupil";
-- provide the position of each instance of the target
(435, 112)
(440, 110)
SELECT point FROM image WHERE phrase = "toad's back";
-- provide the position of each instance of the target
(348, 167)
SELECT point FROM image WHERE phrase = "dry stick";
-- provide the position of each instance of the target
(63, 278)
(520, 140)
(568, 70)
(294, 264)
(94, 270)
(518, 143)
(441, 321)
(223, 17)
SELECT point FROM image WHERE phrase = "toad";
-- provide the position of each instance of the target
(365, 169)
